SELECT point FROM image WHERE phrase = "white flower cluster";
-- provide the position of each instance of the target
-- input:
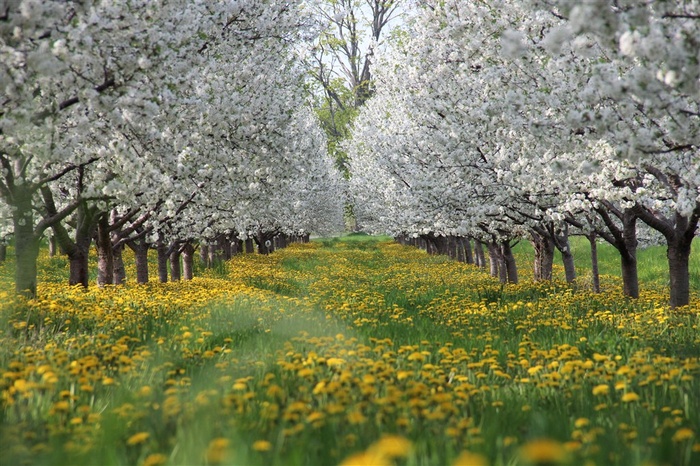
(192, 113)
(497, 117)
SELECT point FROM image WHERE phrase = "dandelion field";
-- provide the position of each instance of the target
(353, 352)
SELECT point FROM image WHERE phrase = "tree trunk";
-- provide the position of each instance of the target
(440, 244)
(544, 256)
(204, 255)
(140, 248)
(627, 247)
(249, 246)
(188, 261)
(569, 266)
(467, 247)
(3, 252)
(594, 262)
(26, 247)
(53, 246)
(561, 242)
(79, 252)
(509, 262)
(678, 254)
(105, 253)
(495, 262)
(679, 232)
(175, 274)
(264, 241)
(479, 256)
(460, 250)
(79, 266)
(225, 247)
(452, 247)
(162, 251)
(119, 277)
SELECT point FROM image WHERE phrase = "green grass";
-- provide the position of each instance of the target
(426, 348)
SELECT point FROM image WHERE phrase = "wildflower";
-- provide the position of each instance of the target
(217, 450)
(543, 451)
(262, 445)
(629, 397)
(61, 407)
(683, 434)
(467, 458)
(138, 438)
(601, 389)
(22, 385)
(356, 417)
(392, 446)
(365, 459)
(581, 422)
(155, 459)
(335, 362)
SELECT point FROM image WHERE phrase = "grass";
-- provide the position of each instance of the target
(348, 350)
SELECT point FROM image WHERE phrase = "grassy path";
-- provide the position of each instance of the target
(357, 351)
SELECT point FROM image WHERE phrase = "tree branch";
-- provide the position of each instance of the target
(63, 172)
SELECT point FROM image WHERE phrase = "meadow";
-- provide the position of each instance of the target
(349, 351)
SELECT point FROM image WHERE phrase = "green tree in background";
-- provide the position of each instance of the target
(341, 61)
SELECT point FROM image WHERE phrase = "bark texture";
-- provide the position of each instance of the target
(105, 253)
(188, 261)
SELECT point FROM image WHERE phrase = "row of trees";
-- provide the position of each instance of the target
(157, 124)
(498, 120)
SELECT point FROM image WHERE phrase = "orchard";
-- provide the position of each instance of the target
(165, 163)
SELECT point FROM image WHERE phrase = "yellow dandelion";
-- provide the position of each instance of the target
(356, 417)
(629, 397)
(217, 450)
(572, 445)
(22, 385)
(543, 451)
(61, 406)
(365, 459)
(335, 362)
(683, 434)
(467, 458)
(262, 445)
(602, 389)
(315, 417)
(392, 446)
(155, 459)
(581, 422)
(138, 438)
